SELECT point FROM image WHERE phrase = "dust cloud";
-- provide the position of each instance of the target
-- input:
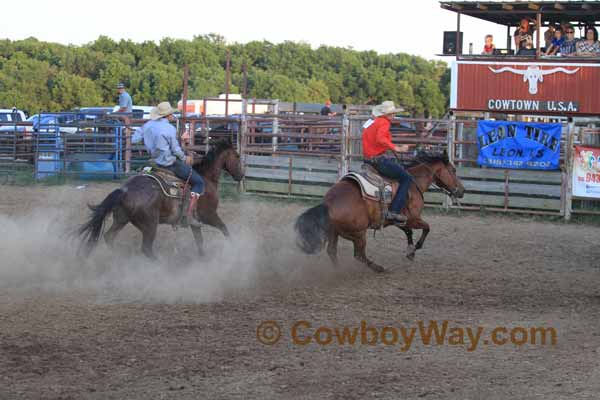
(38, 252)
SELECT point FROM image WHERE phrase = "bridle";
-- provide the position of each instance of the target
(443, 188)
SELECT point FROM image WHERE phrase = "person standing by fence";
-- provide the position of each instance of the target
(326, 110)
(125, 102)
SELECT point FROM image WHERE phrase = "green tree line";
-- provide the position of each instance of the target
(37, 75)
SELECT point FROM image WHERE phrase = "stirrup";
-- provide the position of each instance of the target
(398, 218)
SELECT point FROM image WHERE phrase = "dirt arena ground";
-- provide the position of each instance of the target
(115, 326)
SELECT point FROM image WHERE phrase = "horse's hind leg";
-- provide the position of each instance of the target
(120, 219)
(332, 243)
(148, 224)
(360, 247)
(149, 234)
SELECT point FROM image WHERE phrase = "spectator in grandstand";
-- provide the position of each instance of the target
(524, 37)
(327, 109)
(556, 42)
(489, 47)
(568, 47)
(589, 46)
(549, 35)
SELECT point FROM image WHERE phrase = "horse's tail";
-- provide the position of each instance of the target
(311, 229)
(91, 230)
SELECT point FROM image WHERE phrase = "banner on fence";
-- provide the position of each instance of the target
(518, 145)
(586, 172)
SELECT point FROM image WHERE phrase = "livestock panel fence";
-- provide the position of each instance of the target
(301, 156)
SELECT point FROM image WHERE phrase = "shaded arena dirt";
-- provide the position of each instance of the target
(116, 326)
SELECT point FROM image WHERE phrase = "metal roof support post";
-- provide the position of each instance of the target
(458, 41)
(538, 33)
(508, 38)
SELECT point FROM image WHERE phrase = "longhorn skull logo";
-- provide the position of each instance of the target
(533, 74)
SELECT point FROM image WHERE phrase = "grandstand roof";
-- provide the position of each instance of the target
(510, 12)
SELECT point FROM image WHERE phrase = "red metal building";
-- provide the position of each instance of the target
(530, 83)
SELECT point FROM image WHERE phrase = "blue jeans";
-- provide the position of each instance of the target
(182, 171)
(391, 169)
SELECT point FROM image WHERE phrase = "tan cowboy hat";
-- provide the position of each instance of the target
(161, 110)
(387, 107)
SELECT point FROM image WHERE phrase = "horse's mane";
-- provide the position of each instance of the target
(429, 158)
(213, 154)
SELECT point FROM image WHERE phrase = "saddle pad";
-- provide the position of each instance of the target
(369, 189)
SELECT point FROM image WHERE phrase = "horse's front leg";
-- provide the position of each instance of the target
(197, 231)
(410, 249)
(409, 235)
(424, 226)
(213, 219)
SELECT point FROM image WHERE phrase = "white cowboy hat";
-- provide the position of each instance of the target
(161, 110)
(387, 107)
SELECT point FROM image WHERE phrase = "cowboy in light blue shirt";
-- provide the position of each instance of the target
(159, 138)
(125, 102)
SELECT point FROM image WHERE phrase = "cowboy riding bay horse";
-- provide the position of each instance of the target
(143, 202)
(347, 211)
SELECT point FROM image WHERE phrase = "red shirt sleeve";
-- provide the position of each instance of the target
(383, 136)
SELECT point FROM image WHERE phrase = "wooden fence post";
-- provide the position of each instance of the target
(567, 186)
(451, 132)
(345, 153)
(460, 137)
(242, 143)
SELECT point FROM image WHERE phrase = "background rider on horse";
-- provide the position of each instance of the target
(159, 138)
(377, 146)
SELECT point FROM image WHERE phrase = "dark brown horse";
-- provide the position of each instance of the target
(344, 212)
(142, 202)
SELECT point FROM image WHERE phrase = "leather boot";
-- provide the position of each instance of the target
(189, 219)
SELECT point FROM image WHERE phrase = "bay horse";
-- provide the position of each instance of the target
(344, 212)
(142, 202)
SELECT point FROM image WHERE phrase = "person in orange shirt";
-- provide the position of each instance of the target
(377, 144)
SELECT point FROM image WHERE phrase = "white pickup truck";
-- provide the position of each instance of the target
(9, 116)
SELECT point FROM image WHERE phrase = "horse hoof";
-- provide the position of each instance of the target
(410, 252)
(375, 267)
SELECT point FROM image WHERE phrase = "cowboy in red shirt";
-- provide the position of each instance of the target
(377, 144)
